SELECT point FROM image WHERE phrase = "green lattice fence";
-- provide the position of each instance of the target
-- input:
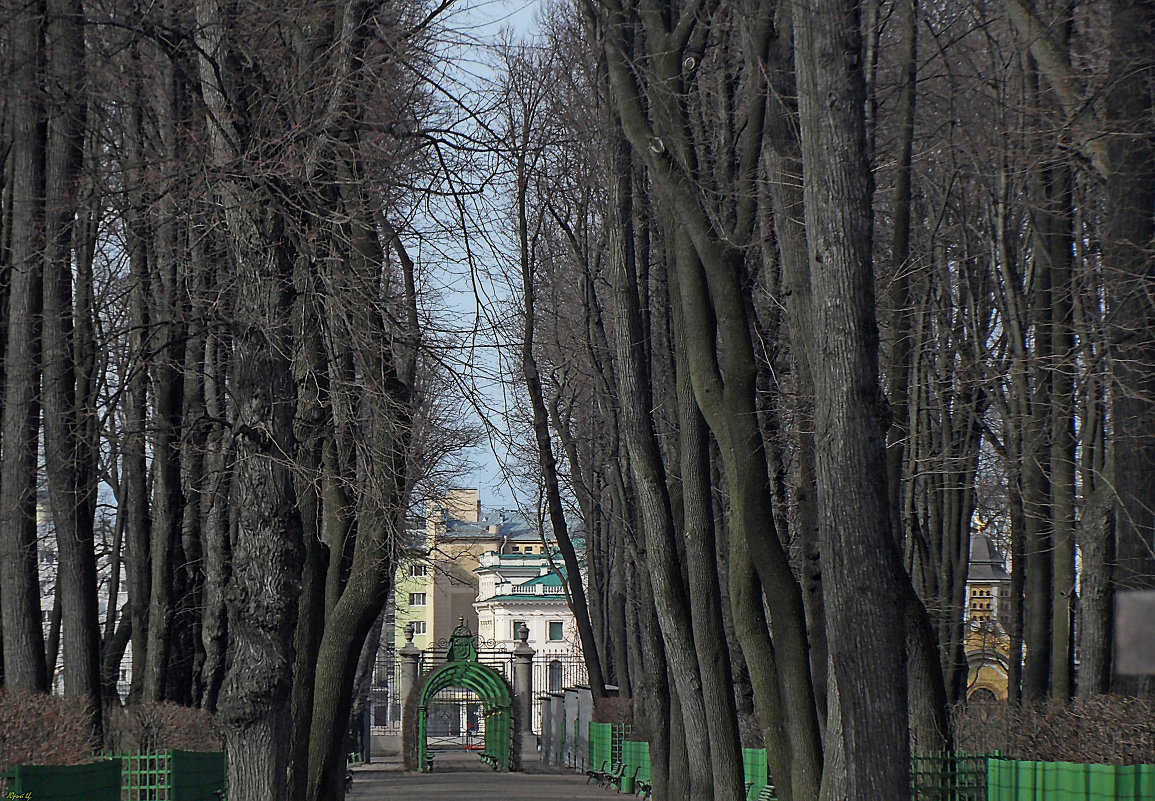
(96, 781)
(146, 777)
(949, 776)
(173, 776)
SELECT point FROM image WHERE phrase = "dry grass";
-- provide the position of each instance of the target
(158, 727)
(43, 730)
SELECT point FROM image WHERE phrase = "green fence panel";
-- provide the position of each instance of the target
(754, 771)
(600, 738)
(636, 755)
(146, 777)
(949, 776)
(96, 781)
(1102, 781)
(1134, 782)
(1012, 780)
(754, 766)
(198, 775)
(617, 737)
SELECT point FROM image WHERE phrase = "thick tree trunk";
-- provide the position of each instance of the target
(705, 592)
(261, 597)
(23, 635)
(215, 513)
(860, 555)
(671, 601)
(1127, 258)
(68, 454)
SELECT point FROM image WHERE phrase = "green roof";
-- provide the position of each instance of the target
(527, 597)
(550, 579)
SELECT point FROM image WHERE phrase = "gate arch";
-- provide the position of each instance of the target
(462, 669)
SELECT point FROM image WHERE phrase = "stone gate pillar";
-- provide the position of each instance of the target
(410, 665)
(523, 680)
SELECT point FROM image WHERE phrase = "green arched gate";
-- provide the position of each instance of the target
(462, 669)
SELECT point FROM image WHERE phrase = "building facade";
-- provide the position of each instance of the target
(490, 570)
(985, 641)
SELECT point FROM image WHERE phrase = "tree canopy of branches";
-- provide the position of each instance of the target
(212, 326)
(806, 296)
(834, 288)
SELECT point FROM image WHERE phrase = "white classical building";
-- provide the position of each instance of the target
(516, 589)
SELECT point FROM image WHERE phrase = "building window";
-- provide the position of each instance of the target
(419, 627)
(555, 677)
(517, 549)
(417, 599)
(418, 571)
(556, 630)
(517, 624)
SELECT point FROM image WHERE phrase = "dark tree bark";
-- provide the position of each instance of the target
(671, 602)
(67, 408)
(524, 167)
(23, 637)
(266, 546)
(860, 555)
(1128, 237)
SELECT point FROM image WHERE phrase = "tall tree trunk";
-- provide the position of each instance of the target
(134, 465)
(860, 555)
(68, 454)
(704, 592)
(215, 504)
(169, 331)
(266, 548)
(546, 460)
(1062, 435)
(23, 635)
(1129, 232)
(671, 601)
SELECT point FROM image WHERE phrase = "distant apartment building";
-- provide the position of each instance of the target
(438, 586)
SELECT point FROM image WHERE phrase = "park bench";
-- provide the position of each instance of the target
(596, 773)
(643, 787)
(766, 793)
(613, 777)
(489, 759)
(351, 760)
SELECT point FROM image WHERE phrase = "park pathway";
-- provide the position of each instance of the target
(462, 777)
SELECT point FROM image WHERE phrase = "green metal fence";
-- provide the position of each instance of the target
(636, 755)
(755, 772)
(146, 777)
(96, 781)
(161, 776)
(949, 776)
(1009, 780)
(601, 743)
(173, 776)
